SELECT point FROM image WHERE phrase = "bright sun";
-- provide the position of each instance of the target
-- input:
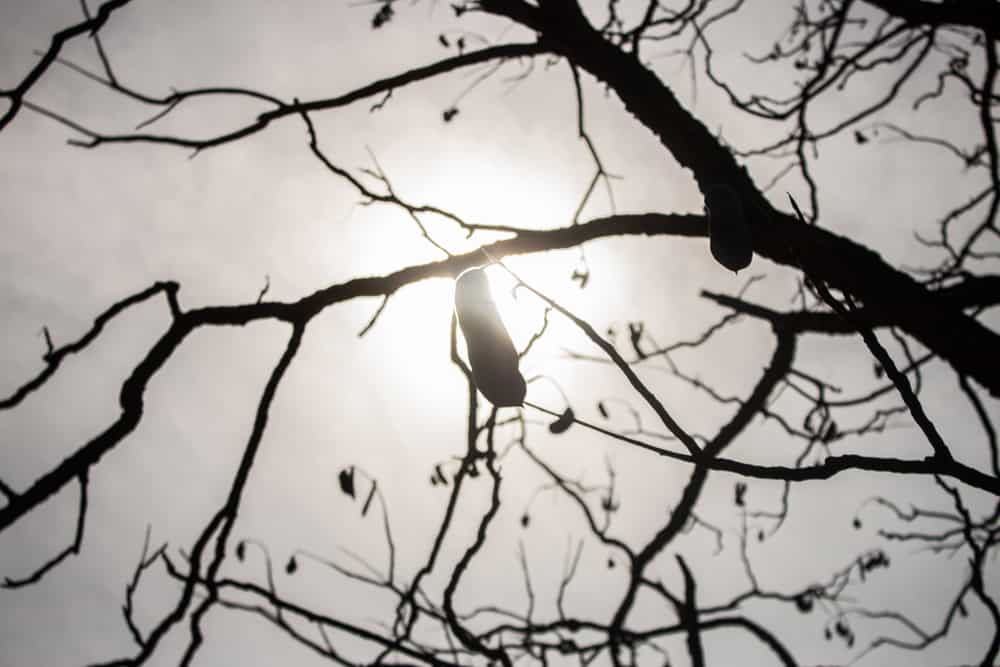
(488, 192)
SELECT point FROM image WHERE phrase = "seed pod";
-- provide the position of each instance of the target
(492, 356)
(728, 230)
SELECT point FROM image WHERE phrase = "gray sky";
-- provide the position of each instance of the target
(82, 229)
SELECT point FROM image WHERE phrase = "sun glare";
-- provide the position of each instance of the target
(481, 191)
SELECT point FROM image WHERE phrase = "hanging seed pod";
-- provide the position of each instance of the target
(492, 356)
(728, 230)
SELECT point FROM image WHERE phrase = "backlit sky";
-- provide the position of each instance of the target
(82, 229)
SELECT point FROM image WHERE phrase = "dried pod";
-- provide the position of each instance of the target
(492, 355)
(728, 229)
(439, 477)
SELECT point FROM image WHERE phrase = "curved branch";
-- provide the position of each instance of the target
(91, 25)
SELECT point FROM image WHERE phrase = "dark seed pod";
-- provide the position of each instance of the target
(728, 230)
(491, 352)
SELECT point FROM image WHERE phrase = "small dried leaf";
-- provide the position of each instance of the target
(346, 479)
(856, 523)
(292, 565)
(383, 15)
(562, 424)
(608, 504)
(439, 475)
(602, 409)
(449, 114)
(241, 550)
(525, 520)
(740, 494)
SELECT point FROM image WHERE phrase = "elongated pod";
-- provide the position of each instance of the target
(728, 230)
(492, 355)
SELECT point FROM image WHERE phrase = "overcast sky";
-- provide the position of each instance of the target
(82, 229)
